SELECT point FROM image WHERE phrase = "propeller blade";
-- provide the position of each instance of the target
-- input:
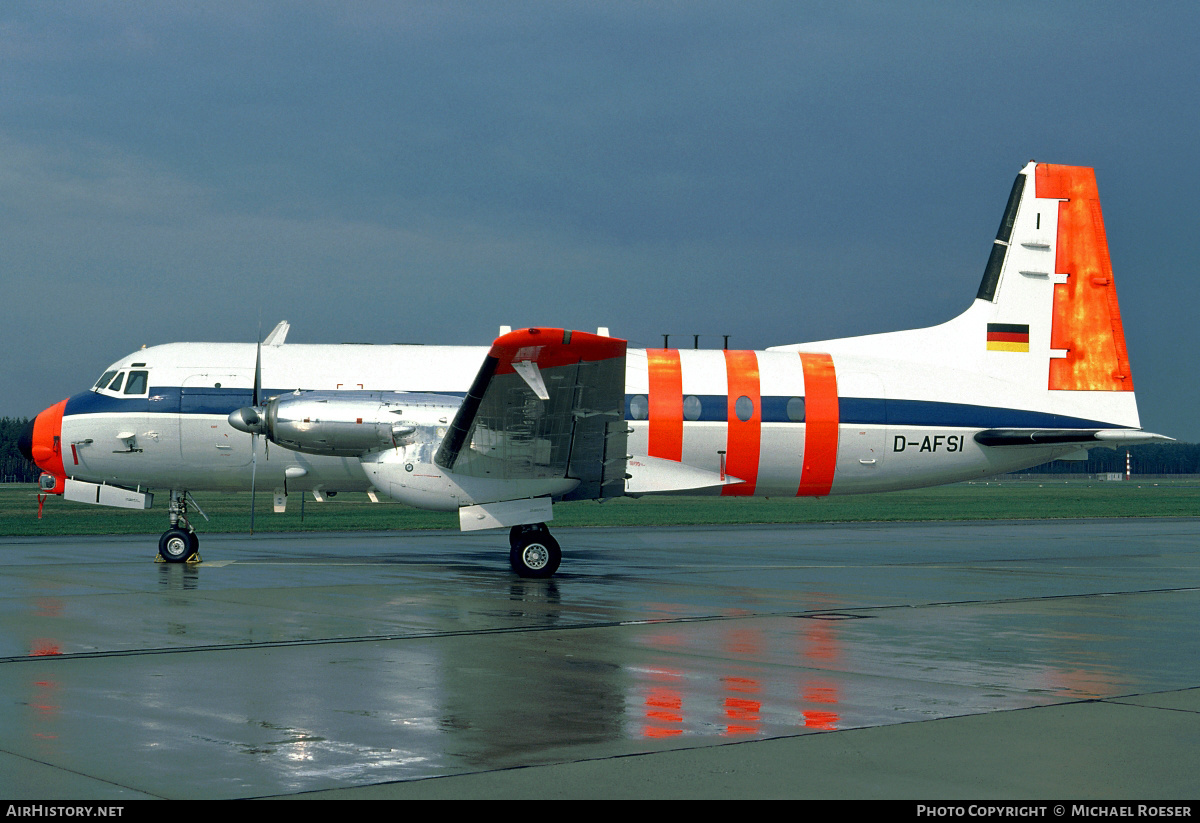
(253, 476)
(257, 374)
(257, 402)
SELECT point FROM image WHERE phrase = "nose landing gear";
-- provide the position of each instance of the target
(178, 546)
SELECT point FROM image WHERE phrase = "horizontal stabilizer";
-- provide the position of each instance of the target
(1061, 437)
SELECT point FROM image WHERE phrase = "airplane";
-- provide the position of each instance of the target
(1035, 369)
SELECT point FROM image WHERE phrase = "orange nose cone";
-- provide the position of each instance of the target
(46, 448)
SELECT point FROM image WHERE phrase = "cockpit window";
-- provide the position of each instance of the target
(104, 378)
(136, 384)
(115, 385)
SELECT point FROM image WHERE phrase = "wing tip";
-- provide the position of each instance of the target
(549, 347)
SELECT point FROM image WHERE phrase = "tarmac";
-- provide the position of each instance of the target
(1054, 660)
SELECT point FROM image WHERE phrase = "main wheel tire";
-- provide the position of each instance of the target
(177, 545)
(535, 556)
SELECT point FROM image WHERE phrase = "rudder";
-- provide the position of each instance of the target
(1087, 318)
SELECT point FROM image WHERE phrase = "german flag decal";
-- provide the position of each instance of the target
(1007, 337)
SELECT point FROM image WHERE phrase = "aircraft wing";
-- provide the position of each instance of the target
(546, 403)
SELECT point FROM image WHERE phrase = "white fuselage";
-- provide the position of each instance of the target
(783, 422)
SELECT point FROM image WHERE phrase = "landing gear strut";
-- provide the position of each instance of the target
(533, 552)
(179, 543)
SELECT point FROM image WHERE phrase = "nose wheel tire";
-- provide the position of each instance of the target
(177, 545)
(535, 555)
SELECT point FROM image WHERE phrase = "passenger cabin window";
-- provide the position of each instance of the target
(136, 384)
(639, 407)
(744, 408)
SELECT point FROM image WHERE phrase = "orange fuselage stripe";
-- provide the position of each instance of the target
(666, 404)
(744, 437)
(821, 425)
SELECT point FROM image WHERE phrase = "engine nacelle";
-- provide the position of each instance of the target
(348, 424)
(409, 475)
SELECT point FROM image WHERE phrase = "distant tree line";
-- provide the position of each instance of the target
(14, 468)
(1152, 458)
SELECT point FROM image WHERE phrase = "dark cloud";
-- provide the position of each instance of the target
(429, 171)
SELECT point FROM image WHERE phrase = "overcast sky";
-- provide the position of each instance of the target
(427, 171)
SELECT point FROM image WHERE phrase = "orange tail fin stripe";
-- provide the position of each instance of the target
(1087, 319)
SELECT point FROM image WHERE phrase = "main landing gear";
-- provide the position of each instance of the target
(533, 552)
(180, 543)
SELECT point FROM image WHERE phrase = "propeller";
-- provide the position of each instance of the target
(252, 420)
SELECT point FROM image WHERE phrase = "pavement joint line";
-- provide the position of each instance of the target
(605, 624)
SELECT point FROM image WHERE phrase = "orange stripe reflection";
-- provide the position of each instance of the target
(824, 721)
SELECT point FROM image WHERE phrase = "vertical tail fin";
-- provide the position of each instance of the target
(1044, 331)
(1050, 263)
